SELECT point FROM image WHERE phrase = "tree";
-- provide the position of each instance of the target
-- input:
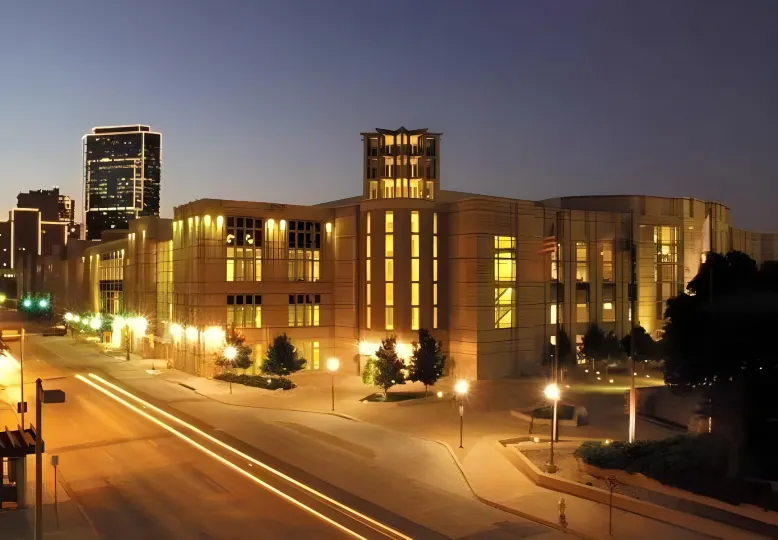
(427, 361)
(594, 347)
(565, 348)
(387, 366)
(645, 346)
(242, 358)
(716, 340)
(282, 358)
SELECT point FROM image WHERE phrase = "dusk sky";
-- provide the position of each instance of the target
(265, 101)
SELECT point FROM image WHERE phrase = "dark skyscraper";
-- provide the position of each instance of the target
(122, 174)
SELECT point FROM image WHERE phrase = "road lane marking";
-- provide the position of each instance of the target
(219, 458)
(376, 524)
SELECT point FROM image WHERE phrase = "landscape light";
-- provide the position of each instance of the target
(2, 298)
(76, 318)
(43, 303)
(230, 352)
(139, 325)
(68, 316)
(191, 332)
(176, 330)
(27, 302)
(95, 323)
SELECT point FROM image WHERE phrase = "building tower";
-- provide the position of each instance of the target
(402, 163)
(122, 176)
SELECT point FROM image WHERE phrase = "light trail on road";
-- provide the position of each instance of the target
(105, 387)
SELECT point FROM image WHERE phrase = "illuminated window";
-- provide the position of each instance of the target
(415, 318)
(368, 273)
(389, 316)
(390, 294)
(415, 270)
(389, 269)
(606, 253)
(244, 310)
(435, 317)
(414, 294)
(304, 243)
(244, 238)
(389, 245)
(552, 314)
(435, 270)
(414, 245)
(582, 312)
(414, 221)
(608, 314)
(389, 222)
(503, 307)
(368, 293)
(581, 265)
(556, 274)
(304, 309)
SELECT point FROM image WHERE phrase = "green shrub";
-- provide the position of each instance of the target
(256, 381)
(693, 463)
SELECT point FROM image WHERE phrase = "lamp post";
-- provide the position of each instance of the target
(333, 364)
(460, 388)
(552, 393)
(230, 353)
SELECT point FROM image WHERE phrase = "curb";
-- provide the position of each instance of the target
(499, 506)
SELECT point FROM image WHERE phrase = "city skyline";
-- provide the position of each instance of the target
(524, 113)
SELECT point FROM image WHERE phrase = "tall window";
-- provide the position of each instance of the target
(415, 315)
(606, 253)
(244, 310)
(556, 263)
(581, 262)
(111, 282)
(435, 270)
(368, 274)
(304, 309)
(666, 272)
(304, 250)
(505, 279)
(389, 270)
(311, 354)
(244, 249)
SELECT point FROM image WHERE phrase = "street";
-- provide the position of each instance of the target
(132, 476)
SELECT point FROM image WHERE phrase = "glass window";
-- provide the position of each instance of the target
(414, 294)
(244, 310)
(367, 270)
(414, 318)
(414, 221)
(414, 269)
(434, 270)
(390, 294)
(415, 245)
(304, 250)
(606, 253)
(582, 312)
(389, 314)
(608, 313)
(581, 266)
(556, 274)
(304, 309)
(368, 317)
(389, 222)
(244, 238)
(504, 258)
(389, 267)
(435, 317)
(389, 245)
(503, 307)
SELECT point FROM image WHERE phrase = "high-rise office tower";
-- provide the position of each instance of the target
(122, 174)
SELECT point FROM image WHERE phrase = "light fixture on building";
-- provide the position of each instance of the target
(191, 333)
(207, 220)
(282, 224)
(271, 224)
(328, 227)
(219, 221)
(176, 330)
(368, 348)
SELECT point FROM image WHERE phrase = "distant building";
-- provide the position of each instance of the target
(492, 277)
(122, 175)
(52, 204)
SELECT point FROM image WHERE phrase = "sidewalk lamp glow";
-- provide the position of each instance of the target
(27, 302)
(191, 332)
(43, 303)
(333, 364)
(2, 298)
(461, 387)
(68, 316)
(176, 330)
(95, 323)
(552, 393)
(139, 325)
(230, 352)
(76, 318)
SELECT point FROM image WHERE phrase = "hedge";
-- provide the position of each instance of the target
(256, 381)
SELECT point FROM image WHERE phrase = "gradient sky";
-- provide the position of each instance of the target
(265, 101)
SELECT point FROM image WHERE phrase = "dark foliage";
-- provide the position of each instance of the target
(256, 381)
(282, 358)
(428, 361)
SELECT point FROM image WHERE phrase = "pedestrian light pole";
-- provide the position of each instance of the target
(21, 374)
(333, 364)
(552, 394)
(461, 388)
(230, 353)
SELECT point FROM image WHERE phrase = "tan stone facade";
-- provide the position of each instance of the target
(487, 275)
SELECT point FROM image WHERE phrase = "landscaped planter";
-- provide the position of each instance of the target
(567, 415)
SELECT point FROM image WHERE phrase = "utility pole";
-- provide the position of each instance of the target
(21, 367)
(38, 460)
(633, 295)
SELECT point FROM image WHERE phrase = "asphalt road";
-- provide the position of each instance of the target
(133, 478)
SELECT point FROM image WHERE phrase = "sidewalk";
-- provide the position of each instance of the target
(356, 457)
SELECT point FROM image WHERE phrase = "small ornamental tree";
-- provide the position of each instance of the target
(282, 358)
(593, 347)
(242, 359)
(387, 366)
(427, 360)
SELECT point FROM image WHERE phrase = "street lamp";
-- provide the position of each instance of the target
(552, 393)
(95, 322)
(27, 302)
(333, 364)
(460, 388)
(230, 353)
(43, 303)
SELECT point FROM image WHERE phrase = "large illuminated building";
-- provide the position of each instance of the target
(489, 276)
(122, 176)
